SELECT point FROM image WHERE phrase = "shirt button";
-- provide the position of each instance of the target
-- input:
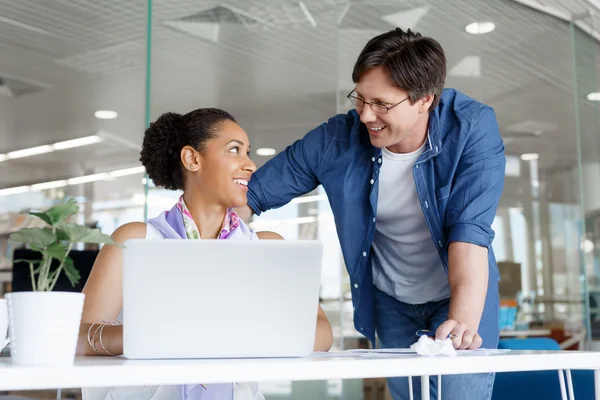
(426, 204)
(356, 286)
(374, 219)
(365, 253)
(440, 243)
(417, 167)
(373, 159)
(372, 181)
(379, 160)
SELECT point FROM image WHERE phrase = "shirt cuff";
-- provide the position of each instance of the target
(253, 200)
(471, 233)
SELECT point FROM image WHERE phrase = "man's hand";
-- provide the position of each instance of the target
(462, 337)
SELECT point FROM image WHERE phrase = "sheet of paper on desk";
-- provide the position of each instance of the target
(359, 354)
(410, 351)
(481, 352)
(385, 353)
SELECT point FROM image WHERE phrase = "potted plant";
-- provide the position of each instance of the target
(44, 325)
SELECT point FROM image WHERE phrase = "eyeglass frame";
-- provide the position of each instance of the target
(371, 104)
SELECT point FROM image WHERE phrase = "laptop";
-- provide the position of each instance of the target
(220, 298)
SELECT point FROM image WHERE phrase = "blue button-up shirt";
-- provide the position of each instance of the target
(459, 180)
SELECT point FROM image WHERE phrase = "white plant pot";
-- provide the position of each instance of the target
(3, 323)
(44, 327)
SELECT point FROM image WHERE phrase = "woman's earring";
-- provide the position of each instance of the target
(191, 167)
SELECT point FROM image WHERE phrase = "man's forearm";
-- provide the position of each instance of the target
(468, 277)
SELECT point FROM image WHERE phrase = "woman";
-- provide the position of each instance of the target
(205, 154)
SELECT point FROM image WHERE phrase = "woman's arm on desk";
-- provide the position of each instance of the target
(324, 334)
(104, 294)
(104, 297)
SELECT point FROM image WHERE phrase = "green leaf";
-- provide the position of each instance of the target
(71, 232)
(71, 272)
(78, 233)
(57, 250)
(43, 216)
(59, 212)
(61, 235)
(36, 238)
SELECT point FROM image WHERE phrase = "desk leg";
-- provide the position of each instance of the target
(570, 385)
(597, 383)
(561, 380)
(425, 394)
(411, 393)
(439, 385)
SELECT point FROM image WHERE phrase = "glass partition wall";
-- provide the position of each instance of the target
(584, 41)
(75, 70)
(72, 77)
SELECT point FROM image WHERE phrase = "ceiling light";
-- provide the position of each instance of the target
(106, 114)
(73, 181)
(88, 178)
(594, 96)
(530, 156)
(128, 171)
(49, 148)
(48, 185)
(587, 246)
(265, 151)
(14, 190)
(84, 141)
(480, 28)
(307, 14)
(29, 152)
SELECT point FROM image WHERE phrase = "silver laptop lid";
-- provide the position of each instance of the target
(220, 298)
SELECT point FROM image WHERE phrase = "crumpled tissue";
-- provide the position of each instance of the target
(427, 346)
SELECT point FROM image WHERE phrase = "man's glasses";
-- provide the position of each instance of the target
(378, 108)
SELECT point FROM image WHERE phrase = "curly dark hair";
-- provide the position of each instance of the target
(171, 132)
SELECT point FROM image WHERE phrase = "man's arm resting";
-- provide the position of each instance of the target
(468, 277)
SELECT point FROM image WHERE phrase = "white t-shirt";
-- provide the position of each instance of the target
(406, 263)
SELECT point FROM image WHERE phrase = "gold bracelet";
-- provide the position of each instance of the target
(90, 337)
(97, 335)
(101, 343)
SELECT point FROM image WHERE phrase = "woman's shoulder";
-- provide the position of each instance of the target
(131, 230)
(268, 235)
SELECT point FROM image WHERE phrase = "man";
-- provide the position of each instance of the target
(414, 175)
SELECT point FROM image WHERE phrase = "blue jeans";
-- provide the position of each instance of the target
(396, 325)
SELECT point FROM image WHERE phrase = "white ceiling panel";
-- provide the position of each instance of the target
(279, 66)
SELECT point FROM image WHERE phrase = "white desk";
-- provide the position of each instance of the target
(108, 372)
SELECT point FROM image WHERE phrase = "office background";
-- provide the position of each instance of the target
(80, 80)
